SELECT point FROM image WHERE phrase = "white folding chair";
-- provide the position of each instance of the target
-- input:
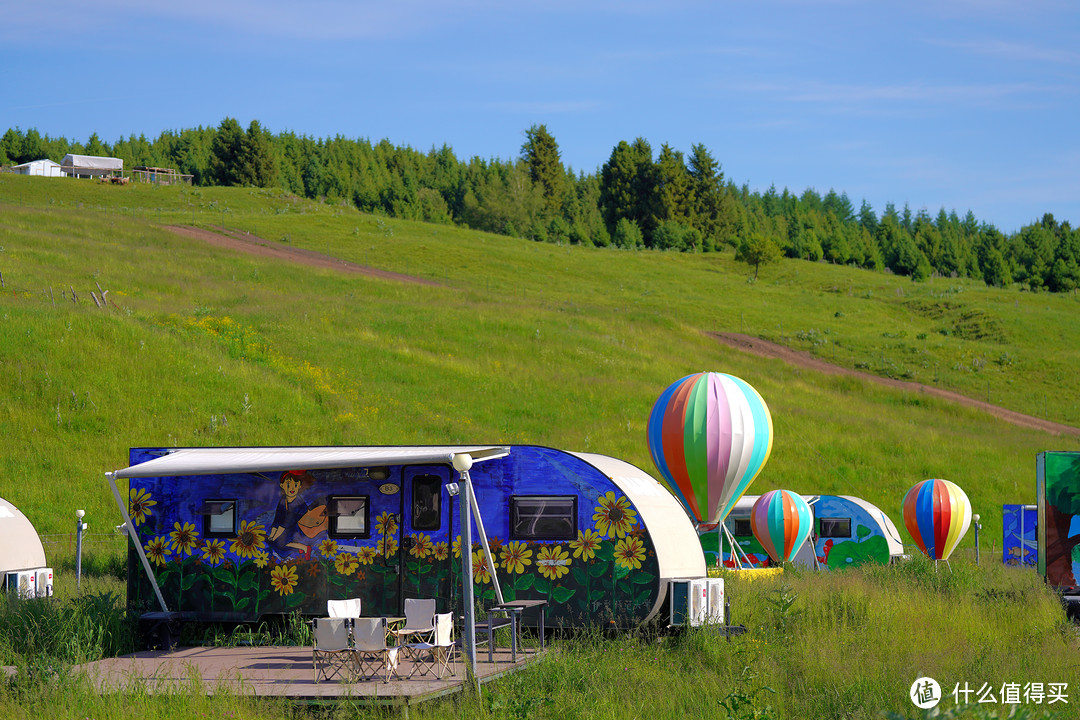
(439, 653)
(419, 620)
(331, 654)
(348, 609)
(373, 657)
(343, 608)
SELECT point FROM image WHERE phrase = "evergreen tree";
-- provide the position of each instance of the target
(673, 194)
(94, 146)
(713, 212)
(226, 153)
(626, 187)
(10, 146)
(627, 235)
(256, 163)
(541, 155)
(32, 147)
(839, 205)
(867, 218)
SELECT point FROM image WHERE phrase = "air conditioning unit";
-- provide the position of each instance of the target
(689, 601)
(26, 584)
(715, 612)
(44, 583)
(21, 584)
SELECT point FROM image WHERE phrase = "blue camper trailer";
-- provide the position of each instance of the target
(848, 531)
(236, 534)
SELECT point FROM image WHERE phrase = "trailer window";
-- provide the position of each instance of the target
(348, 516)
(834, 527)
(219, 517)
(543, 517)
(426, 502)
(741, 527)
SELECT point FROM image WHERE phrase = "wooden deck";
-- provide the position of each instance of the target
(287, 672)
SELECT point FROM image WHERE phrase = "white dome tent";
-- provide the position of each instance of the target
(22, 557)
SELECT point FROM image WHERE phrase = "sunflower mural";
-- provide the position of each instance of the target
(227, 565)
(140, 505)
(608, 570)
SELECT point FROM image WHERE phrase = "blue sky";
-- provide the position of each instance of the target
(961, 104)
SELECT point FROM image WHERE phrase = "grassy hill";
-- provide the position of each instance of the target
(513, 341)
(508, 341)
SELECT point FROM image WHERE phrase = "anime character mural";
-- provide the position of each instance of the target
(294, 522)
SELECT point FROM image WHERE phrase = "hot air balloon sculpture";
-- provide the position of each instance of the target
(937, 514)
(781, 521)
(709, 435)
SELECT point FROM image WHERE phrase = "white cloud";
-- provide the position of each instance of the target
(903, 97)
(547, 107)
(1015, 51)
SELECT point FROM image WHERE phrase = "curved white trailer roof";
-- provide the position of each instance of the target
(20, 546)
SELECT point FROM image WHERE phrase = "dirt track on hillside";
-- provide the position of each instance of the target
(764, 348)
(245, 242)
(255, 245)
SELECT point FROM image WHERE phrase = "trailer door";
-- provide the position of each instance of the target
(425, 535)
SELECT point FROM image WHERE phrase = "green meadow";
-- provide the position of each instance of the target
(512, 341)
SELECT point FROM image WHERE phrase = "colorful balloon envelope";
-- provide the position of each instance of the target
(937, 514)
(709, 435)
(781, 521)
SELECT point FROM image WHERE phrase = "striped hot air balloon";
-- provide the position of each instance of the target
(781, 522)
(709, 435)
(937, 514)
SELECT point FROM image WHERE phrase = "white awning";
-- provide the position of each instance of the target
(214, 461)
(92, 162)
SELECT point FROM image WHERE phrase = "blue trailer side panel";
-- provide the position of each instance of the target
(278, 551)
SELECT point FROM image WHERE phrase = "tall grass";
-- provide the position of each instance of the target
(844, 644)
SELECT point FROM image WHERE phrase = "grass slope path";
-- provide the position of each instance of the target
(799, 358)
(254, 245)
(245, 242)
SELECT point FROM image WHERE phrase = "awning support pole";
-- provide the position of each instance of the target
(483, 538)
(135, 539)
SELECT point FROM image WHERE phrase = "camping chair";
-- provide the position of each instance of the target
(438, 654)
(331, 654)
(348, 609)
(343, 608)
(419, 620)
(372, 655)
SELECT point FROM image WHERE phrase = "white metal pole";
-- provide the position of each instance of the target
(483, 539)
(462, 462)
(135, 539)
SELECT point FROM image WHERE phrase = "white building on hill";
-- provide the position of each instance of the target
(45, 167)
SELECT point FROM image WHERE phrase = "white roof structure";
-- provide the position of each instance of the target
(213, 461)
(20, 546)
(93, 163)
(44, 167)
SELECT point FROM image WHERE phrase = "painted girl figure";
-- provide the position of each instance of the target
(293, 521)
